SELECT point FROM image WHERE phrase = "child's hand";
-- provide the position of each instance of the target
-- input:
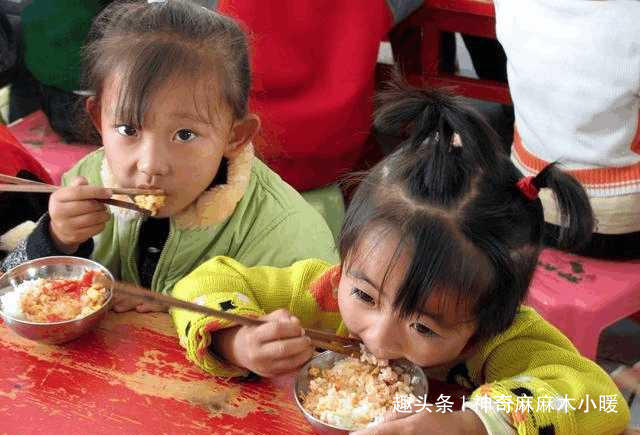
(122, 303)
(424, 422)
(628, 378)
(76, 216)
(274, 348)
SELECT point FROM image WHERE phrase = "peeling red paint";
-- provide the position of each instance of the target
(131, 376)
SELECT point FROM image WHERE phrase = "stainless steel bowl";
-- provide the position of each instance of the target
(53, 267)
(328, 359)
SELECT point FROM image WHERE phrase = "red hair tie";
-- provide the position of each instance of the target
(528, 189)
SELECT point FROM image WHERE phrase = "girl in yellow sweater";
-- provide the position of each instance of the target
(438, 249)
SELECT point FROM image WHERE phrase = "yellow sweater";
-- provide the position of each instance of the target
(530, 365)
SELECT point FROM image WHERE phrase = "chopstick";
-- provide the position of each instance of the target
(326, 340)
(125, 204)
(15, 180)
(47, 188)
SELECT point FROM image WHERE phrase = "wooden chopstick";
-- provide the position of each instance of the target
(47, 188)
(125, 204)
(16, 181)
(324, 339)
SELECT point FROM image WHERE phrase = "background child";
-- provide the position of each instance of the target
(16, 208)
(171, 83)
(438, 249)
(333, 100)
(587, 116)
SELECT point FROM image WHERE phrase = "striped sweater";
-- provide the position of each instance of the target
(574, 75)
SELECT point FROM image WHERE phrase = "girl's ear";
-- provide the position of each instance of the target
(92, 105)
(243, 132)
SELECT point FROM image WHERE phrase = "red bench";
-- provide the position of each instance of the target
(582, 296)
(421, 57)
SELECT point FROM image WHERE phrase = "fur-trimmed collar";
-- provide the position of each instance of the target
(213, 205)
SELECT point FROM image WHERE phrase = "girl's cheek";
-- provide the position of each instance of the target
(428, 356)
(121, 161)
(116, 147)
(350, 315)
(434, 353)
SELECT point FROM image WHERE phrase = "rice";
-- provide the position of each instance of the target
(153, 203)
(356, 393)
(11, 300)
(55, 299)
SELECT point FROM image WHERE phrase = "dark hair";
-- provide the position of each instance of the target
(474, 235)
(150, 43)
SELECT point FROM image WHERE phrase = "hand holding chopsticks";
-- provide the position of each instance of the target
(16, 184)
(44, 188)
(322, 339)
(75, 216)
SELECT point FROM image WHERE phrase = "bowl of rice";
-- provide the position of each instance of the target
(339, 393)
(55, 299)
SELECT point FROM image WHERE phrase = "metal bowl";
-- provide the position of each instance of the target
(328, 359)
(53, 267)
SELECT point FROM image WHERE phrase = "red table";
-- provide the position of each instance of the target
(131, 376)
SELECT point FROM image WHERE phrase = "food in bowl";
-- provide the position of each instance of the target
(48, 300)
(153, 203)
(357, 392)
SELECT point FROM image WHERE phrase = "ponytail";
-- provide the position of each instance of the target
(426, 120)
(576, 216)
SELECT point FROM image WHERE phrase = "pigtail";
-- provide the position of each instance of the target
(576, 217)
(430, 117)
(443, 139)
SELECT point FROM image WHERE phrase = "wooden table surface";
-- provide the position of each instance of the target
(131, 376)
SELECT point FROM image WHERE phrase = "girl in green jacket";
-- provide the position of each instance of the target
(170, 84)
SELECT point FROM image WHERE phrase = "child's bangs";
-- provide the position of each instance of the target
(447, 273)
(148, 66)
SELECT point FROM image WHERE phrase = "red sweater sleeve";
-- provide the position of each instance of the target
(14, 157)
(313, 67)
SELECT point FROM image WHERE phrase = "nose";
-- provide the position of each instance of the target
(382, 338)
(153, 158)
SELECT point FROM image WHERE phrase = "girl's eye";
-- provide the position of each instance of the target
(185, 135)
(363, 296)
(126, 130)
(423, 330)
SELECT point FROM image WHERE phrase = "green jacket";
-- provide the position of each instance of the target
(270, 225)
